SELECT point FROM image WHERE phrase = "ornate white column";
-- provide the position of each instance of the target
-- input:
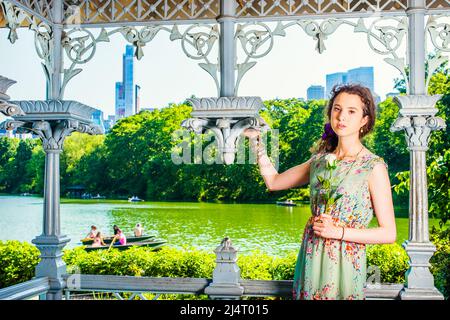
(418, 120)
(52, 121)
(227, 47)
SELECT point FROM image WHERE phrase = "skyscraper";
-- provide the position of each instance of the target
(120, 101)
(137, 99)
(315, 93)
(126, 95)
(97, 118)
(334, 79)
(361, 75)
(109, 123)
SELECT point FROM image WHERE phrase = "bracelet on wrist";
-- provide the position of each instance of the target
(343, 232)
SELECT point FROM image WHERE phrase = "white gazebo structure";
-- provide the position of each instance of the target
(68, 32)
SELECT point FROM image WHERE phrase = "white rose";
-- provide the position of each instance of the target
(330, 159)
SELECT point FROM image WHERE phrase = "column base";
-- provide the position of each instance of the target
(420, 294)
(51, 240)
(52, 265)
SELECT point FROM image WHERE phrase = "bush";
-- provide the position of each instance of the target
(440, 261)
(255, 266)
(17, 262)
(167, 262)
(392, 261)
(283, 268)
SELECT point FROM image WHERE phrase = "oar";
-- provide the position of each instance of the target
(112, 242)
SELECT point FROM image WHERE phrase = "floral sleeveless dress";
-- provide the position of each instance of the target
(329, 269)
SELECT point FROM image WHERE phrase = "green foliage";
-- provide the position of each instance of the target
(8, 149)
(15, 156)
(17, 262)
(283, 268)
(440, 261)
(19, 259)
(255, 266)
(166, 262)
(391, 260)
(77, 146)
(391, 146)
(35, 170)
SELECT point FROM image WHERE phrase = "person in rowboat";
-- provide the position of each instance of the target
(93, 233)
(98, 240)
(138, 230)
(119, 236)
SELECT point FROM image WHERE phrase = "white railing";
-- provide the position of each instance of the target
(26, 290)
(138, 286)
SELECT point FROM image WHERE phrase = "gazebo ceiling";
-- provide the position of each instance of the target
(101, 12)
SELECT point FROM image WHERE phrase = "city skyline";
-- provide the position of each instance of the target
(360, 75)
(363, 75)
(165, 75)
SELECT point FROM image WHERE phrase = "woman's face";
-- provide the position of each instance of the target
(347, 115)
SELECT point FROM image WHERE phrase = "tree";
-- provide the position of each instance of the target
(8, 149)
(17, 171)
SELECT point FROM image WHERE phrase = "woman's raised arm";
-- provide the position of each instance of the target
(293, 177)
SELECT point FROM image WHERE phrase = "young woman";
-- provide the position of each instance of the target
(331, 263)
(98, 240)
(119, 235)
(92, 233)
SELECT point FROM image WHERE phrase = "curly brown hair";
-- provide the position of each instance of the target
(330, 142)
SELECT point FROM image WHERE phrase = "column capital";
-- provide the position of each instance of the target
(6, 108)
(417, 105)
(52, 121)
(418, 129)
(9, 109)
(417, 119)
(227, 118)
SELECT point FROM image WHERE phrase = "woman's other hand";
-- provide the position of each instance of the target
(324, 227)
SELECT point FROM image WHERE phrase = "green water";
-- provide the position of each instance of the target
(273, 229)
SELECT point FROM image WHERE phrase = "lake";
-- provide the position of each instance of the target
(273, 229)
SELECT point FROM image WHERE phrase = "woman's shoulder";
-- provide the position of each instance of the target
(372, 159)
(317, 155)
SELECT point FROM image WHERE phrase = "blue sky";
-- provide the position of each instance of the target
(166, 75)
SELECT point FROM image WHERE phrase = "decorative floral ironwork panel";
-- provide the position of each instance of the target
(96, 11)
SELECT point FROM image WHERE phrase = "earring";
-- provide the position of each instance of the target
(362, 130)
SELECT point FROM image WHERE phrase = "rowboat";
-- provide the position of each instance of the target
(155, 244)
(287, 203)
(134, 199)
(108, 240)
